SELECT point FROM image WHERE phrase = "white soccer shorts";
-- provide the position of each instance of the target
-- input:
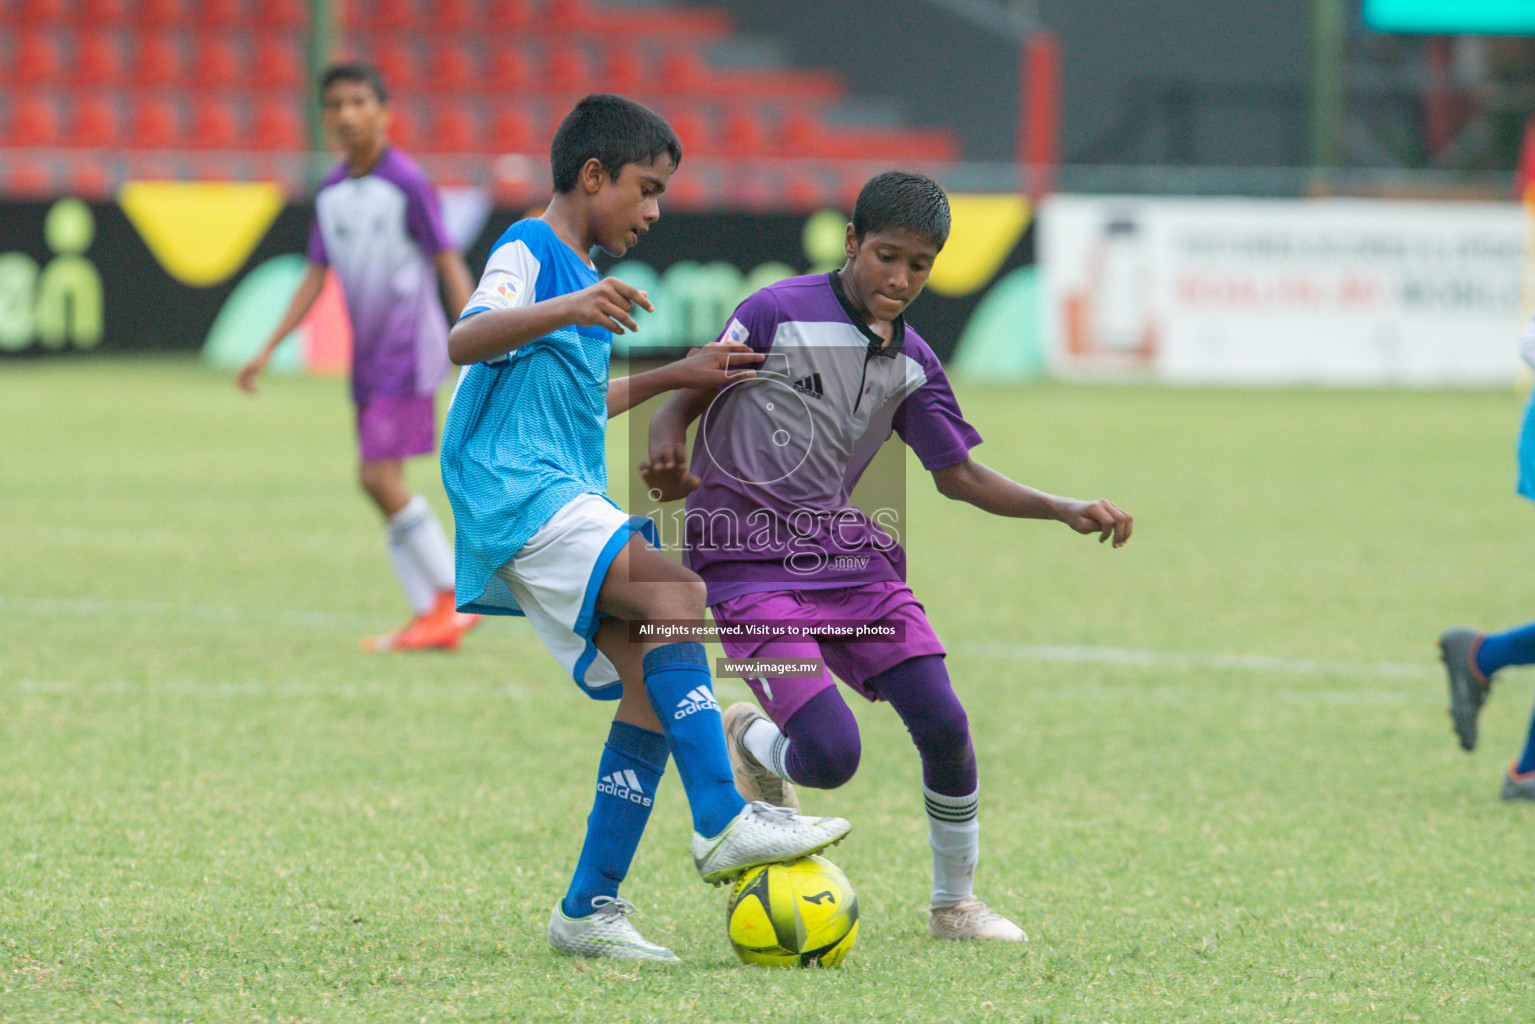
(555, 577)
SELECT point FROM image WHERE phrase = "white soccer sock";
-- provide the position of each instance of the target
(418, 589)
(954, 833)
(417, 528)
(769, 746)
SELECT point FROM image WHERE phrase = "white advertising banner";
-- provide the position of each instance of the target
(1282, 291)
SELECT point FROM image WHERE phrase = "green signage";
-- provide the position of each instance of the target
(1451, 17)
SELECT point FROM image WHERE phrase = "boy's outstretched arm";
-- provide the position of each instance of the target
(992, 492)
(309, 289)
(710, 367)
(495, 332)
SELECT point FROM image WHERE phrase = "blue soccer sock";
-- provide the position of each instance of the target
(1513, 647)
(1526, 762)
(682, 694)
(627, 775)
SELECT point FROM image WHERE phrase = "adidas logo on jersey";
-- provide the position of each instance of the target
(625, 785)
(698, 699)
(810, 385)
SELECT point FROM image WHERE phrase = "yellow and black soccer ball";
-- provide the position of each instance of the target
(800, 914)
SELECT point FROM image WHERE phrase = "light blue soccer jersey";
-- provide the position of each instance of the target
(526, 432)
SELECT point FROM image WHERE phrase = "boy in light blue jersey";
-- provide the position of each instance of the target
(524, 464)
(1471, 657)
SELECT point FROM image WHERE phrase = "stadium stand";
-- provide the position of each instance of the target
(170, 80)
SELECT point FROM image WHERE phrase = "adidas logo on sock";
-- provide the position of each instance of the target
(810, 385)
(625, 785)
(698, 699)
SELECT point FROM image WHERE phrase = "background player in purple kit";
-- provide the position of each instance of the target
(771, 529)
(378, 223)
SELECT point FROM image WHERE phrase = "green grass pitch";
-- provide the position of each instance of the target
(1218, 779)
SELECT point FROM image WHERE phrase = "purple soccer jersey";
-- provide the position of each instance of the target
(381, 232)
(779, 456)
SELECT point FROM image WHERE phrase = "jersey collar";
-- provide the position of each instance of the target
(877, 346)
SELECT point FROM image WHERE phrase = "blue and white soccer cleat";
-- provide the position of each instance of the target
(605, 933)
(763, 834)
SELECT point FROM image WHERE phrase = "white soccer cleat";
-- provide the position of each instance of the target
(605, 933)
(753, 780)
(763, 834)
(972, 919)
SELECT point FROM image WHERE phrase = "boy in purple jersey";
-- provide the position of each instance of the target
(772, 531)
(378, 224)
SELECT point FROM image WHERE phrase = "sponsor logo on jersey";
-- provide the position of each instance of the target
(810, 385)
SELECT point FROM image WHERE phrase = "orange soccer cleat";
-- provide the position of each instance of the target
(439, 629)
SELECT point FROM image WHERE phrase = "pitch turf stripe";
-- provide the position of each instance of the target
(1192, 660)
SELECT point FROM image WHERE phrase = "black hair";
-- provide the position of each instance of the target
(354, 71)
(902, 199)
(615, 131)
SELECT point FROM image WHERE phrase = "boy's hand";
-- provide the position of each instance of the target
(245, 380)
(607, 304)
(715, 365)
(666, 474)
(1101, 517)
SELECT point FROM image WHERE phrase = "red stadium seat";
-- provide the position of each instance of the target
(276, 126)
(566, 15)
(565, 69)
(277, 63)
(95, 124)
(509, 70)
(451, 66)
(513, 130)
(216, 62)
(153, 124)
(285, 15)
(219, 13)
(90, 179)
(455, 15)
(39, 13)
(683, 71)
(27, 176)
(34, 121)
(455, 129)
(156, 59)
(404, 126)
(804, 191)
(510, 15)
(746, 134)
(393, 14)
(100, 13)
(396, 61)
(215, 124)
(800, 135)
(157, 13)
(624, 68)
(694, 131)
(98, 59)
(35, 59)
